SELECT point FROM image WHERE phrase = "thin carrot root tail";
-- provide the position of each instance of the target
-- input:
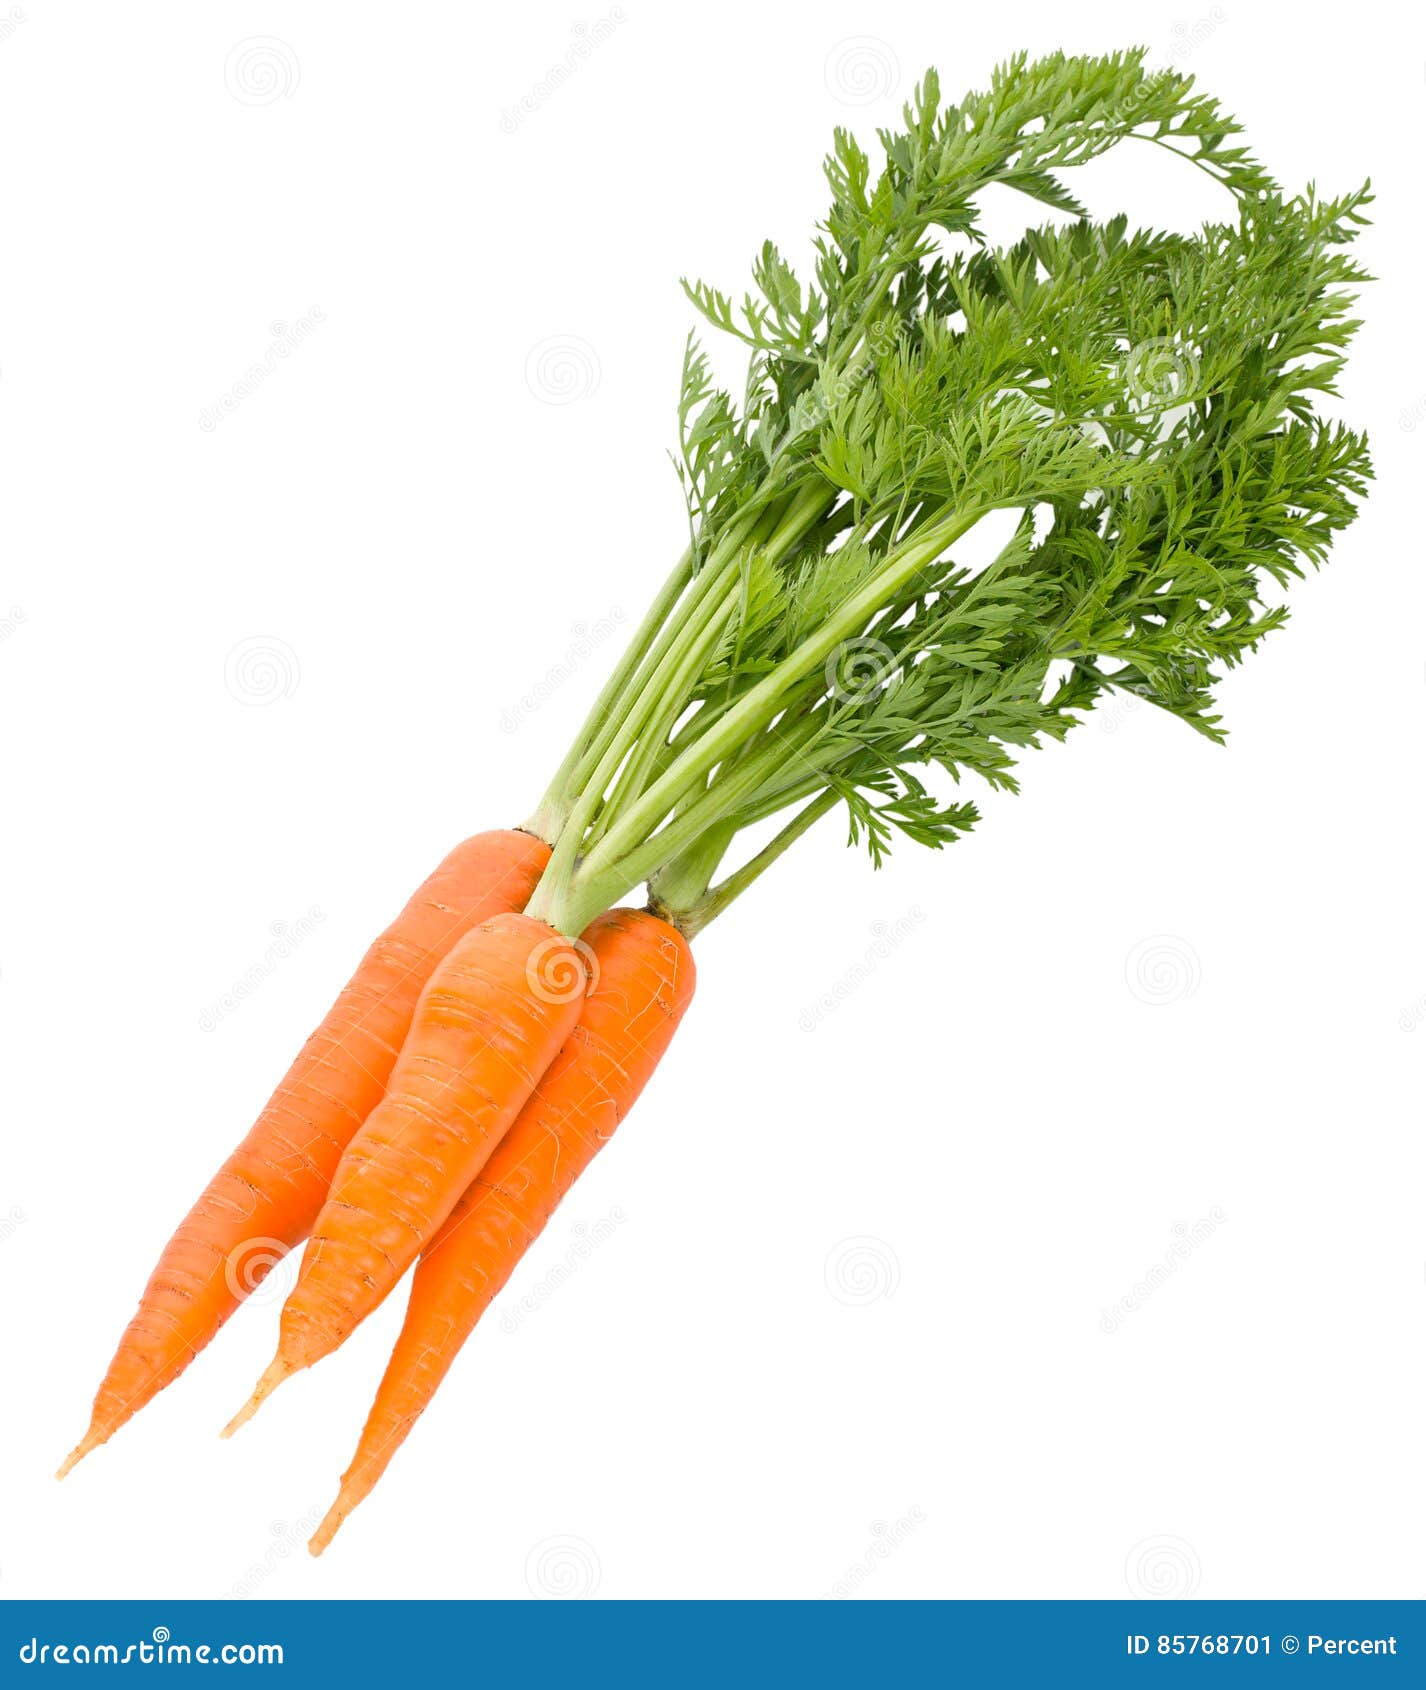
(86, 1445)
(277, 1371)
(351, 1493)
(330, 1526)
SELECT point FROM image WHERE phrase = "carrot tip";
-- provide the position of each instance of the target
(89, 1442)
(348, 1496)
(328, 1529)
(277, 1371)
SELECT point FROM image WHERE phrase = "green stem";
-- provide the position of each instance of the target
(606, 873)
(689, 651)
(685, 879)
(641, 660)
(720, 801)
(553, 809)
(692, 918)
(788, 528)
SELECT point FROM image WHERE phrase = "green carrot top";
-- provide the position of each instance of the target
(1144, 400)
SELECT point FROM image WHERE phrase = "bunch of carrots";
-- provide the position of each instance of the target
(1129, 414)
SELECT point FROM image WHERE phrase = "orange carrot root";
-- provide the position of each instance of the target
(88, 1443)
(277, 1371)
(643, 979)
(347, 1498)
(267, 1194)
(489, 1023)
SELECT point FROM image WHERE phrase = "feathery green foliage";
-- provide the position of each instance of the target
(1145, 400)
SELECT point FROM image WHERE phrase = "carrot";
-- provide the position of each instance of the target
(265, 1197)
(643, 982)
(489, 1023)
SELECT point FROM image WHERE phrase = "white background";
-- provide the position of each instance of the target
(716, 1403)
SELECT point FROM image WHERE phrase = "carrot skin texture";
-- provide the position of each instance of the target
(491, 1020)
(266, 1196)
(644, 983)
